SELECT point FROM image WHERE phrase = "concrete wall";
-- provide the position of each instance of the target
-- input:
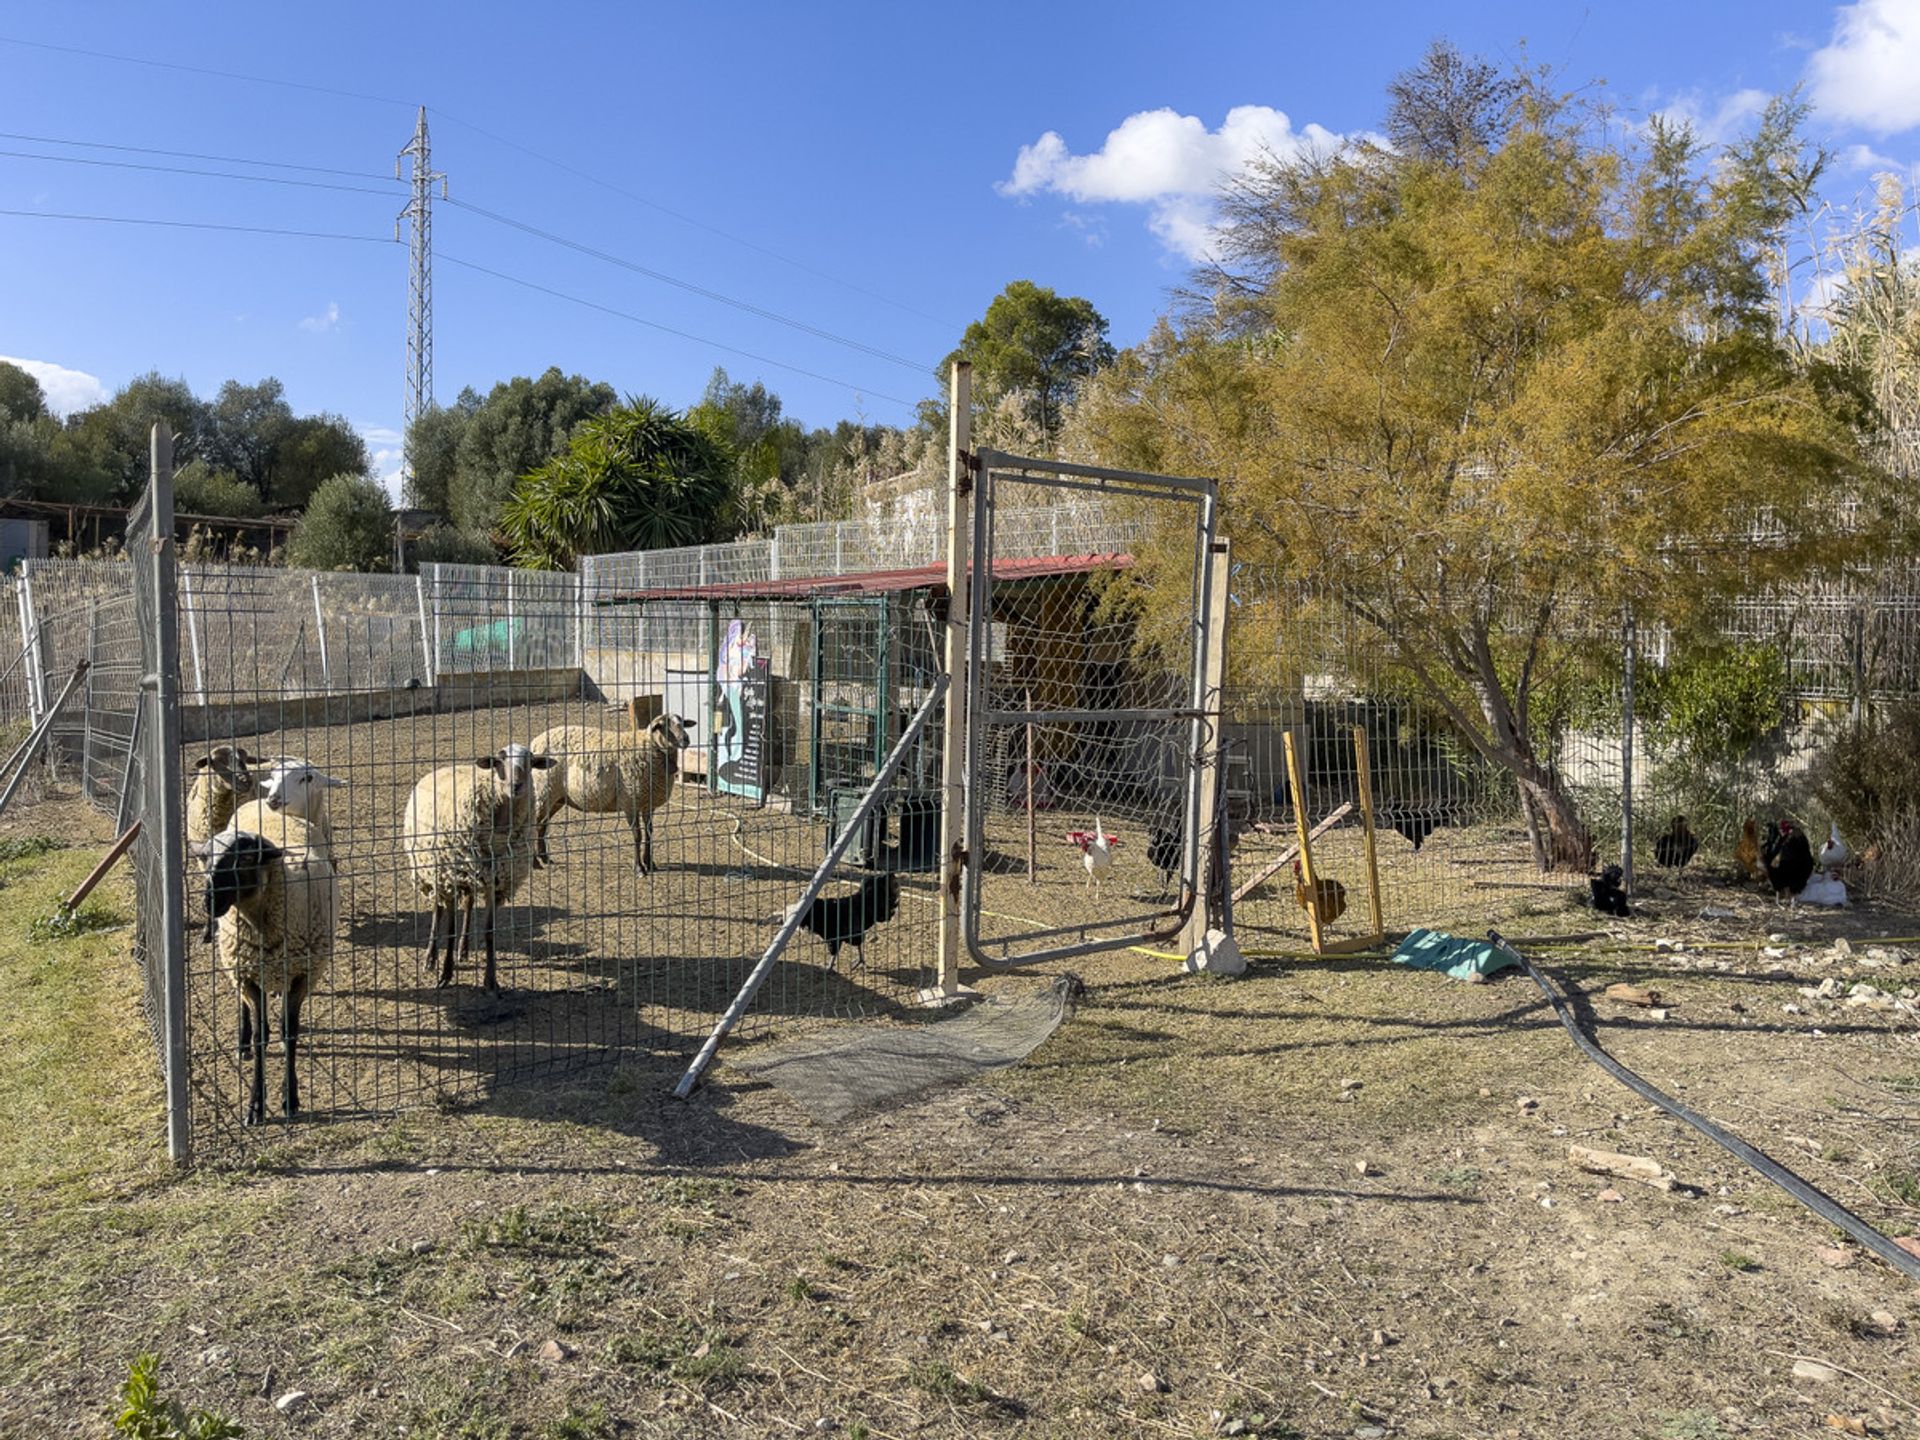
(476, 691)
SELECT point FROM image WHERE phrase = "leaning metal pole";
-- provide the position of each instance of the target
(855, 825)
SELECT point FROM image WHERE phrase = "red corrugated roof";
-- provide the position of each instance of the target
(876, 582)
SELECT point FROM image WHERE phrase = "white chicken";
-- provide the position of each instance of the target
(1096, 851)
(1834, 854)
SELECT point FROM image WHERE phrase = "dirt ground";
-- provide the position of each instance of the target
(1310, 1201)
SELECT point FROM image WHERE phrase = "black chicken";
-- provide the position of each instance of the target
(1165, 849)
(1608, 896)
(1675, 848)
(1415, 819)
(1787, 857)
(845, 919)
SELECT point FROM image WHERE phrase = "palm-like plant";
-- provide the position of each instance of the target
(636, 478)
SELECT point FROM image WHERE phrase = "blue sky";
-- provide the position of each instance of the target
(876, 172)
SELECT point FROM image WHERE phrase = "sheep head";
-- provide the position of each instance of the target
(230, 763)
(669, 732)
(513, 766)
(295, 788)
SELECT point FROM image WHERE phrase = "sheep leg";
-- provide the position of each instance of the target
(246, 1028)
(456, 936)
(251, 996)
(643, 845)
(442, 928)
(290, 1034)
(492, 982)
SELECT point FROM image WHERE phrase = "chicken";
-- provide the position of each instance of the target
(1608, 896)
(1834, 855)
(1166, 847)
(845, 919)
(1788, 860)
(1414, 819)
(1746, 854)
(1096, 850)
(1326, 901)
(1675, 848)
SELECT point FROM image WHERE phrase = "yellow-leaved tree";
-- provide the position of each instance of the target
(1489, 391)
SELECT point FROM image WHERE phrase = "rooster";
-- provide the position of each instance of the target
(1834, 855)
(1414, 819)
(845, 919)
(1166, 847)
(1787, 858)
(1096, 850)
(1325, 900)
(1746, 854)
(1609, 897)
(1675, 848)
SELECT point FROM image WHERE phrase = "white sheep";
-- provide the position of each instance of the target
(296, 787)
(223, 778)
(608, 772)
(468, 832)
(275, 902)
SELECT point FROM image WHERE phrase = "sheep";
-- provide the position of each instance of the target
(605, 772)
(468, 831)
(296, 787)
(276, 902)
(223, 778)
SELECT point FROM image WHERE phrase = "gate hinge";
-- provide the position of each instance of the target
(969, 465)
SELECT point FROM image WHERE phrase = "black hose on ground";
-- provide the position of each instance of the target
(1818, 1201)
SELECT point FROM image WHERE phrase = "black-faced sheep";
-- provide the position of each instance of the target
(275, 902)
(469, 835)
(610, 772)
(223, 778)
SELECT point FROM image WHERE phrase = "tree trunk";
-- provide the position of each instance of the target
(1568, 845)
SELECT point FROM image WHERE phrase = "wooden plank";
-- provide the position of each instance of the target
(1298, 784)
(1361, 758)
(1339, 813)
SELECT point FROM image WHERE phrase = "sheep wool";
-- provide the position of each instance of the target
(283, 930)
(222, 780)
(610, 772)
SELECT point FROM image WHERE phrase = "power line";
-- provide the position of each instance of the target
(498, 139)
(745, 305)
(185, 170)
(687, 219)
(203, 70)
(193, 155)
(668, 329)
(198, 225)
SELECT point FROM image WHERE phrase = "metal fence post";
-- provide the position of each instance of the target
(86, 702)
(320, 630)
(193, 618)
(512, 648)
(36, 675)
(161, 776)
(438, 658)
(1628, 647)
(426, 636)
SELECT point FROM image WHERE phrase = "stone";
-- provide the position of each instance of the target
(1836, 1256)
(291, 1401)
(553, 1352)
(1151, 1383)
(1611, 1196)
(1814, 1370)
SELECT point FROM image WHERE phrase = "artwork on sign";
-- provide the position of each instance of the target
(741, 679)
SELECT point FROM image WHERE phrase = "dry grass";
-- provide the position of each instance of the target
(1157, 1226)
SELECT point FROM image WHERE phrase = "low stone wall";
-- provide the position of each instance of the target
(478, 690)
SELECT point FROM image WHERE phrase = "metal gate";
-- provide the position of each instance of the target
(1086, 734)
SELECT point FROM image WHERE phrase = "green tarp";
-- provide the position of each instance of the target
(1462, 959)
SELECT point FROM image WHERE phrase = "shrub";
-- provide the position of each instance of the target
(444, 545)
(348, 526)
(199, 490)
(1868, 778)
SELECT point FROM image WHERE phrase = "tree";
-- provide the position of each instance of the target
(521, 424)
(1493, 394)
(637, 478)
(1036, 342)
(20, 394)
(1449, 105)
(308, 451)
(348, 526)
(109, 443)
(199, 489)
(247, 425)
(433, 452)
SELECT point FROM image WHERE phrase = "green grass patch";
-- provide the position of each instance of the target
(943, 1382)
(1738, 1263)
(145, 1414)
(28, 847)
(65, 924)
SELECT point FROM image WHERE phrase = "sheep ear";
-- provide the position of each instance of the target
(487, 762)
(541, 762)
(203, 762)
(245, 757)
(327, 782)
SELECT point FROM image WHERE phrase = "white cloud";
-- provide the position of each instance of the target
(1868, 74)
(66, 390)
(386, 446)
(1865, 157)
(1168, 161)
(326, 320)
(1728, 120)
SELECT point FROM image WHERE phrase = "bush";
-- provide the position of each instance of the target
(348, 526)
(444, 545)
(1868, 777)
(198, 490)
